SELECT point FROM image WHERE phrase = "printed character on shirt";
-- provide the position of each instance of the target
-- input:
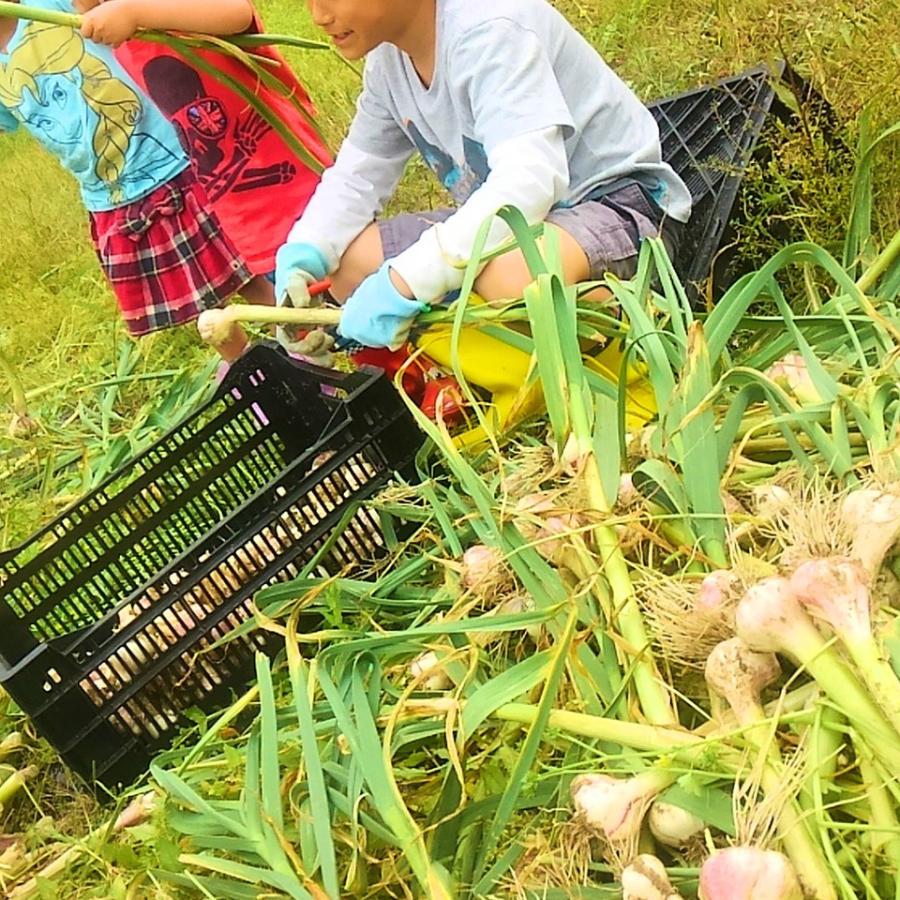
(255, 182)
(163, 252)
(70, 97)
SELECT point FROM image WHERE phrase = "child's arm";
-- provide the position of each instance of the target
(529, 172)
(116, 21)
(522, 121)
(352, 192)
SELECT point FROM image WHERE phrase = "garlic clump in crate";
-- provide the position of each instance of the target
(190, 675)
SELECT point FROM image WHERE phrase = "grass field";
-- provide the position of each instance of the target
(98, 396)
(58, 320)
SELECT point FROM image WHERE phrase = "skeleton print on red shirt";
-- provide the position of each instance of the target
(253, 180)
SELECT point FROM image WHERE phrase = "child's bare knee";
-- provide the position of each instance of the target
(504, 278)
(363, 257)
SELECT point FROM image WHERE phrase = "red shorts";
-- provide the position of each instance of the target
(166, 256)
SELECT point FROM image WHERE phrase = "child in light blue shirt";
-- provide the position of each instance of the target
(508, 105)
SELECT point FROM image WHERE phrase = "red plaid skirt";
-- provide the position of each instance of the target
(167, 257)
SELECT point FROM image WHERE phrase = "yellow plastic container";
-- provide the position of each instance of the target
(502, 371)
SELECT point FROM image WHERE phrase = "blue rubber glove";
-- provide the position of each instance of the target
(300, 258)
(377, 314)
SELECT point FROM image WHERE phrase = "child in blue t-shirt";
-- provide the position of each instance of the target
(162, 250)
(508, 105)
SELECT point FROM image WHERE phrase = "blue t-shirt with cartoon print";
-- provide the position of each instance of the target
(74, 97)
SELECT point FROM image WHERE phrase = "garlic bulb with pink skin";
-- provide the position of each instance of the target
(137, 812)
(573, 457)
(748, 873)
(836, 591)
(645, 878)
(616, 806)
(716, 593)
(770, 619)
(543, 523)
(874, 516)
(628, 495)
(792, 375)
(484, 569)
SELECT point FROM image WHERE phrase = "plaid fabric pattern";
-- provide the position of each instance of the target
(166, 256)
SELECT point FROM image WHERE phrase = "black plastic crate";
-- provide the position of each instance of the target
(108, 615)
(709, 136)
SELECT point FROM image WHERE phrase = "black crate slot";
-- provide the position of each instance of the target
(133, 606)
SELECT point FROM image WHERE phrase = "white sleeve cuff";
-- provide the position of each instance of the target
(530, 172)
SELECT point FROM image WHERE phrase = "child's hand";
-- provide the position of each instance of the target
(297, 260)
(377, 314)
(110, 23)
(83, 6)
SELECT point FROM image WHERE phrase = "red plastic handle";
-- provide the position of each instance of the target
(319, 287)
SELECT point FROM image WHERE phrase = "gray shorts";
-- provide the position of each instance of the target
(609, 229)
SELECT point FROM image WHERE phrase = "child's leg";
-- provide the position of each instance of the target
(595, 238)
(507, 276)
(363, 257)
(259, 291)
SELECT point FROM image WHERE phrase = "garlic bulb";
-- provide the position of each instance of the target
(616, 806)
(645, 878)
(673, 826)
(748, 873)
(429, 667)
(739, 674)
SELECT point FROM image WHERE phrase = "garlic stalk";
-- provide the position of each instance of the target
(770, 619)
(835, 590)
(739, 674)
(884, 836)
(21, 425)
(14, 783)
(12, 742)
(748, 873)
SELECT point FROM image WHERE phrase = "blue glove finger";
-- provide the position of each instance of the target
(290, 258)
(377, 314)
